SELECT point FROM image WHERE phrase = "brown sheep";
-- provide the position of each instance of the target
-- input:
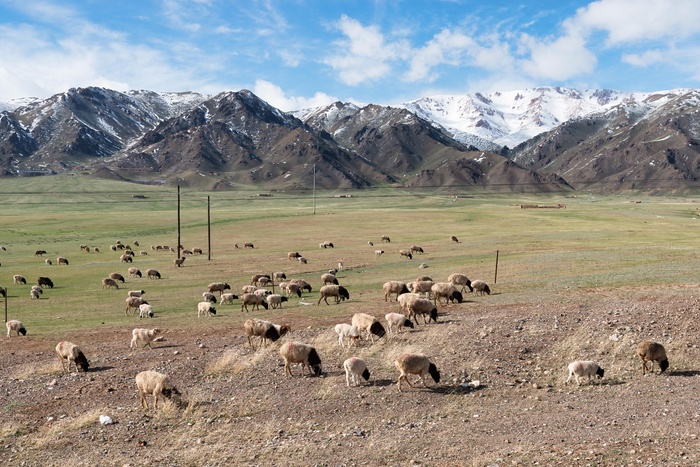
(108, 282)
(416, 364)
(650, 351)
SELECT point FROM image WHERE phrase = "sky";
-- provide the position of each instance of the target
(299, 54)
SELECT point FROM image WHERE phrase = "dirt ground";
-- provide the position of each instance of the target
(238, 408)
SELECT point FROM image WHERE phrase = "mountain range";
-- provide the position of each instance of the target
(534, 140)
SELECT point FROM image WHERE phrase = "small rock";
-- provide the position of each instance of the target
(106, 420)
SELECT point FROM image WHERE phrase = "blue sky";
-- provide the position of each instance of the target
(304, 53)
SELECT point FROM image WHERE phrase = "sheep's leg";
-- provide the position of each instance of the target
(347, 378)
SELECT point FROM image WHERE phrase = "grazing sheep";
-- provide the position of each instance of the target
(424, 278)
(144, 336)
(347, 331)
(329, 278)
(3, 291)
(293, 255)
(205, 308)
(279, 276)
(179, 262)
(378, 253)
(209, 297)
(143, 253)
(386, 239)
(146, 310)
(126, 258)
(67, 351)
(218, 287)
(39, 253)
(134, 302)
(586, 368)
(461, 280)
(134, 272)
(38, 289)
(394, 287)
(421, 306)
(298, 352)
(135, 293)
(48, 261)
(291, 289)
(136, 243)
(417, 249)
(397, 321)
(420, 287)
(650, 351)
(248, 245)
(96, 250)
(108, 282)
(262, 292)
(34, 294)
(113, 247)
(152, 274)
(480, 287)
(337, 291)
(248, 289)
(16, 326)
(17, 279)
(275, 300)
(45, 281)
(252, 299)
(257, 277)
(415, 364)
(354, 368)
(158, 384)
(186, 252)
(369, 324)
(303, 285)
(117, 277)
(453, 239)
(447, 291)
(370, 243)
(405, 253)
(302, 260)
(228, 298)
(265, 330)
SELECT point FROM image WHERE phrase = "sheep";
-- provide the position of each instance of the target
(337, 291)
(126, 258)
(298, 352)
(347, 331)
(248, 289)
(588, 368)
(117, 277)
(179, 262)
(303, 285)
(135, 293)
(228, 298)
(415, 364)
(479, 287)
(417, 249)
(650, 351)
(186, 252)
(113, 247)
(252, 299)
(421, 306)
(398, 321)
(293, 255)
(36, 288)
(354, 368)
(209, 297)
(279, 276)
(460, 279)
(256, 278)
(378, 253)
(136, 243)
(67, 351)
(275, 300)
(420, 287)
(453, 239)
(394, 287)
(262, 292)
(96, 250)
(134, 302)
(108, 282)
(158, 384)
(326, 244)
(34, 294)
(17, 279)
(405, 253)
(447, 291)
(329, 278)
(45, 281)
(370, 243)
(369, 324)
(152, 274)
(48, 262)
(3, 291)
(16, 326)
(302, 260)
(386, 239)
(39, 253)
(218, 287)
(135, 272)
(424, 278)
(264, 282)
(146, 310)
(205, 308)
(291, 289)
(248, 245)
(145, 337)
(264, 329)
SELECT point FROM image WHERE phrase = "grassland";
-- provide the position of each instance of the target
(566, 279)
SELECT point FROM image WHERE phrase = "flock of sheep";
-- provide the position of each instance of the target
(416, 298)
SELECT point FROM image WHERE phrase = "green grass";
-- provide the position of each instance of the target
(596, 242)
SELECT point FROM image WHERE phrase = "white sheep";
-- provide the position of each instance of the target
(298, 352)
(38, 289)
(135, 293)
(265, 330)
(461, 280)
(48, 261)
(252, 299)
(257, 279)
(228, 298)
(405, 299)
(303, 285)
(145, 337)
(329, 278)
(134, 302)
(18, 279)
(279, 276)
(447, 291)
(480, 287)
(336, 291)
(209, 297)
(302, 260)
(61, 260)
(415, 364)
(34, 294)
(262, 292)
(369, 324)
(205, 308)
(157, 384)
(585, 368)
(394, 287)
(405, 253)
(146, 310)
(397, 321)
(218, 287)
(134, 272)
(71, 353)
(275, 300)
(420, 287)
(421, 306)
(650, 351)
(16, 326)
(248, 289)
(378, 253)
(354, 369)
(386, 239)
(347, 331)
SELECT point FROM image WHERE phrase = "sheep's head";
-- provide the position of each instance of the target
(315, 362)
(264, 304)
(432, 369)
(344, 293)
(23, 331)
(600, 372)
(663, 364)
(457, 296)
(408, 323)
(433, 314)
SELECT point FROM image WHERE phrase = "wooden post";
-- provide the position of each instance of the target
(178, 223)
(209, 227)
(495, 274)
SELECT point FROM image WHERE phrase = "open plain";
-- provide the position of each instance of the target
(587, 281)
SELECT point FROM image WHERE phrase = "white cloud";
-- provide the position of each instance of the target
(275, 96)
(645, 59)
(559, 59)
(364, 55)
